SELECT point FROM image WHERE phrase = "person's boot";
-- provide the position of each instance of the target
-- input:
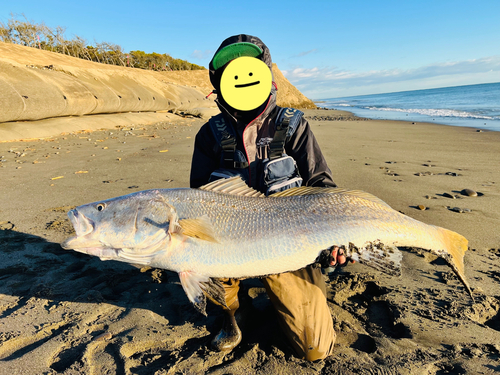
(230, 335)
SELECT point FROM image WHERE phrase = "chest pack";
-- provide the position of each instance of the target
(275, 173)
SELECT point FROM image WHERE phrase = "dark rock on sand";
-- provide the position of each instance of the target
(469, 192)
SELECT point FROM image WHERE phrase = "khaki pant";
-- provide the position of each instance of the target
(299, 298)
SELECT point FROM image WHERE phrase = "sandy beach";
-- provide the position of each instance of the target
(62, 312)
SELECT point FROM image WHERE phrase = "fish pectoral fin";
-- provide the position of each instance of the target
(200, 228)
(196, 286)
(383, 258)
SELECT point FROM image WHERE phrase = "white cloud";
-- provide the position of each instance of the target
(333, 82)
(306, 53)
(201, 55)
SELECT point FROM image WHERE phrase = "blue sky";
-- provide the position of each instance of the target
(325, 48)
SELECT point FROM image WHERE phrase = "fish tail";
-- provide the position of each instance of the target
(455, 246)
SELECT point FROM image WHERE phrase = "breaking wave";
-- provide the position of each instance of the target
(473, 105)
(435, 112)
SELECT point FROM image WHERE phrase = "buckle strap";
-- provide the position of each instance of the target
(226, 138)
(287, 121)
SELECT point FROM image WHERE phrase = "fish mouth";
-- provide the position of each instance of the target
(83, 226)
(247, 84)
(102, 252)
(80, 222)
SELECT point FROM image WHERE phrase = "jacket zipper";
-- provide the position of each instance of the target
(244, 146)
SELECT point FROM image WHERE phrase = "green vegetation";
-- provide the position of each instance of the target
(30, 34)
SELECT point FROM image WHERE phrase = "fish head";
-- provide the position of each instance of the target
(132, 224)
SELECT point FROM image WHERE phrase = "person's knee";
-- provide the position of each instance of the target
(319, 349)
(313, 354)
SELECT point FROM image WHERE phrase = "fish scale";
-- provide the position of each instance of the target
(208, 233)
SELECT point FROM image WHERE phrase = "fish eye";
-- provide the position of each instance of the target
(250, 74)
(100, 206)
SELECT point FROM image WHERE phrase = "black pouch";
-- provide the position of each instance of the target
(240, 168)
(280, 174)
(226, 173)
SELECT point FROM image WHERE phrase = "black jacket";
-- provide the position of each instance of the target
(255, 129)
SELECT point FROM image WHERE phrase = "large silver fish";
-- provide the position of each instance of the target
(226, 229)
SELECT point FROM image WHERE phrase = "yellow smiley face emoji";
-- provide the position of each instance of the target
(246, 83)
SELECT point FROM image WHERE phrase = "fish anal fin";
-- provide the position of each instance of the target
(200, 228)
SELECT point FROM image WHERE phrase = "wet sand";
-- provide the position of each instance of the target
(67, 313)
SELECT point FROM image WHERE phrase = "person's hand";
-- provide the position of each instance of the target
(333, 257)
(338, 257)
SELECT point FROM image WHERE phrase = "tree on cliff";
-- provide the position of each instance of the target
(30, 34)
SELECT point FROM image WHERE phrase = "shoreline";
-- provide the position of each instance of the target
(62, 312)
(421, 119)
(470, 105)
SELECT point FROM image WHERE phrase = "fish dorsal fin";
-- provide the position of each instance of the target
(233, 186)
(312, 190)
(302, 190)
(366, 196)
(200, 228)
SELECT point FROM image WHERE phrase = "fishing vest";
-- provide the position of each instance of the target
(276, 173)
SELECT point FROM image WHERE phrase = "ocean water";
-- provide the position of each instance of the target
(476, 106)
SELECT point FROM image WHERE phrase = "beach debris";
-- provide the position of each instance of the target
(424, 174)
(103, 337)
(57, 178)
(459, 210)
(78, 172)
(6, 225)
(421, 207)
(454, 174)
(226, 229)
(337, 118)
(469, 192)
(163, 151)
(448, 195)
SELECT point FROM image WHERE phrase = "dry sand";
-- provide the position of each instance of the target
(66, 313)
